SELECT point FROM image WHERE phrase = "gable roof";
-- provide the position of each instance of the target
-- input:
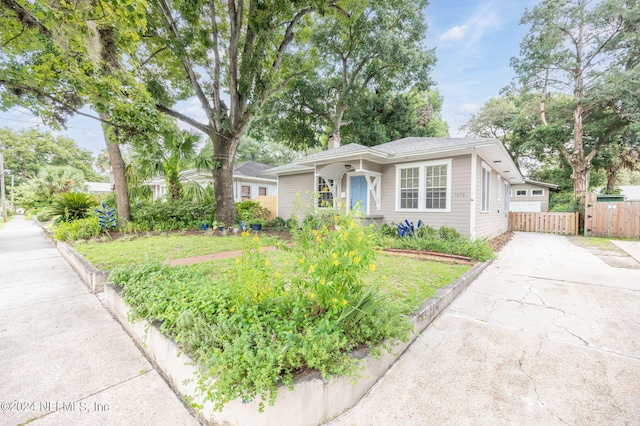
(409, 149)
(253, 169)
(551, 186)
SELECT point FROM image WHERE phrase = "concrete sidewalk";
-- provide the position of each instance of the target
(64, 359)
(547, 334)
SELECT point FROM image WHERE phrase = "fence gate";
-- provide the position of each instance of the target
(544, 222)
(611, 219)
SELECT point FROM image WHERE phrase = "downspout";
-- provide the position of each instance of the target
(474, 189)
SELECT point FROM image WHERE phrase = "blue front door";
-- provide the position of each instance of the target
(359, 193)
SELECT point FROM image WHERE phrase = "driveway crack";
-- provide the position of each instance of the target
(533, 382)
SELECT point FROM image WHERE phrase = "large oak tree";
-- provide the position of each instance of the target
(575, 46)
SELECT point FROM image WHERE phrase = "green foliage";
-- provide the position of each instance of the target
(80, 229)
(374, 49)
(251, 212)
(51, 180)
(253, 327)
(170, 215)
(445, 240)
(70, 206)
(563, 202)
(28, 151)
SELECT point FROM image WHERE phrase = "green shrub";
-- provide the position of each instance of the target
(43, 216)
(70, 206)
(248, 211)
(170, 215)
(81, 229)
(445, 240)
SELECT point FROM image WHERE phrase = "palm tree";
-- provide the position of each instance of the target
(172, 154)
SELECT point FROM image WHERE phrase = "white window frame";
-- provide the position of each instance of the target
(485, 189)
(498, 187)
(422, 183)
(537, 195)
(526, 193)
(320, 193)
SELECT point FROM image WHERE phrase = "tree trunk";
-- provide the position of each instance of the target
(118, 173)
(612, 176)
(224, 154)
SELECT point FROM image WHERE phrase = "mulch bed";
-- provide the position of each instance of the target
(497, 243)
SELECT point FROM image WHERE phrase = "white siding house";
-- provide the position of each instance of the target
(249, 181)
(457, 182)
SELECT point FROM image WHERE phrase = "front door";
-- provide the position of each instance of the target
(359, 193)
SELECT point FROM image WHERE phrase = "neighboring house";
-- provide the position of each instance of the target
(99, 188)
(249, 181)
(461, 183)
(531, 196)
(630, 192)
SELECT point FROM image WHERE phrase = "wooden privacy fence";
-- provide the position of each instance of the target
(544, 222)
(270, 202)
(611, 219)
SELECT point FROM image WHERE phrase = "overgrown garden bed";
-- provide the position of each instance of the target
(254, 321)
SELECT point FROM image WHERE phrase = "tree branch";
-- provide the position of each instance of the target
(184, 118)
(184, 58)
(288, 37)
(26, 17)
(217, 105)
(146, 61)
(14, 37)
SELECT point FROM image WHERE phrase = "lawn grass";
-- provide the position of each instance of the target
(406, 280)
(158, 248)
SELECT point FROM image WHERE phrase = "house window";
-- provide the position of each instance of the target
(262, 190)
(325, 196)
(436, 187)
(521, 192)
(537, 192)
(424, 186)
(409, 188)
(245, 192)
(486, 188)
(506, 197)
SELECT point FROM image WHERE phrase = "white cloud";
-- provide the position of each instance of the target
(484, 19)
(455, 33)
(467, 108)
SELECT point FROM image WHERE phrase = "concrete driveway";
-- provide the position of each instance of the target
(548, 334)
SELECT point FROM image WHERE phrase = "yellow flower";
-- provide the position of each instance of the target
(352, 253)
(256, 239)
(302, 261)
(277, 274)
(334, 300)
(323, 281)
(237, 260)
(344, 302)
(334, 255)
(267, 262)
(318, 240)
(232, 310)
(245, 233)
(312, 268)
(384, 278)
(313, 296)
(357, 259)
(336, 263)
(372, 267)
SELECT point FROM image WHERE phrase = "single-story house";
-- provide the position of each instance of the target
(531, 196)
(249, 181)
(458, 182)
(99, 188)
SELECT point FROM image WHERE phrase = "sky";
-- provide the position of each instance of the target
(474, 41)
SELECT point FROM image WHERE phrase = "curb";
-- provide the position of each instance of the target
(92, 277)
(312, 401)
